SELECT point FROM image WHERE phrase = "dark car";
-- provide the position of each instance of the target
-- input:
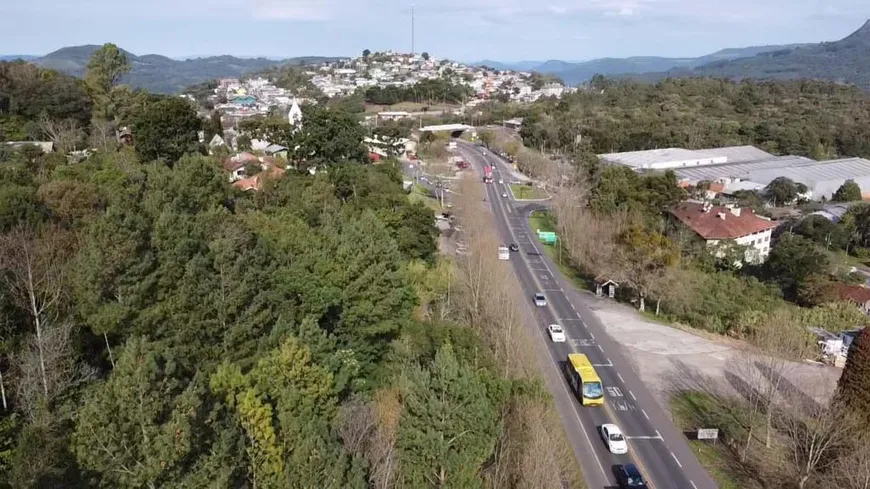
(514, 247)
(629, 477)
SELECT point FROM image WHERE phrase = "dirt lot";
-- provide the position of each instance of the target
(667, 358)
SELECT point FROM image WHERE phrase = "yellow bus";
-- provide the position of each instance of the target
(584, 380)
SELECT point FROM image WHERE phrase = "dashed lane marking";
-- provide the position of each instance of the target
(676, 460)
(645, 415)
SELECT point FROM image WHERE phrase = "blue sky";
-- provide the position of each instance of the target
(467, 30)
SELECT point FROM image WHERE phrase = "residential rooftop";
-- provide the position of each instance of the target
(720, 222)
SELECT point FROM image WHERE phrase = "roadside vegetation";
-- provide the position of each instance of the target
(613, 223)
(528, 192)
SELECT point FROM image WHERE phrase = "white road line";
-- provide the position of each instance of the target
(644, 414)
(602, 351)
(676, 460)
(642, 437)
(693, 485)
(592, 336)
(632, 395)
(659, 435)
(620, 377)
(570, 319)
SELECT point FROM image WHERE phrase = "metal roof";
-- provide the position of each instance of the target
(446, 127)
(739, 154)
(739, 170)
(656, 157)
(815, 172)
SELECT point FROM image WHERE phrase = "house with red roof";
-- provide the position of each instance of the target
(717, 225)
(256, 182)
(856, 294)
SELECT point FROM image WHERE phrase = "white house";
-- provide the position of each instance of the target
(718, 225)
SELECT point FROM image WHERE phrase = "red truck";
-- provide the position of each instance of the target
(487, 174)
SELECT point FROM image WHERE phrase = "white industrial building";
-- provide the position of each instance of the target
(748, 168)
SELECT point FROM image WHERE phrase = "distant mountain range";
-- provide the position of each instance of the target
(13, 57)
(843, 61)
(161, 74)
(573, 73)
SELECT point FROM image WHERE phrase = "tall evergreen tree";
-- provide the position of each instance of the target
(853, 390)
(448, 428)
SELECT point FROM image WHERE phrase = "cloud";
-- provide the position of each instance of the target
(299, 10)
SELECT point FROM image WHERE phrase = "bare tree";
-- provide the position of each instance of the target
(356, 424)
(46, 369)
(750, 384)
(65, 134)
(103, 135)
(852, 468)
(813, 433)
(778, 343)
(380, 450)
(34, 264)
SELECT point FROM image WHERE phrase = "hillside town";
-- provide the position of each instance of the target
(237, 98)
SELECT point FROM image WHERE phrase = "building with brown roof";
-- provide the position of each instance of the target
(856, 294)
(717, 225)
(256, 182)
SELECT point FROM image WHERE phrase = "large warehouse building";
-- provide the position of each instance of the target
(747, 167)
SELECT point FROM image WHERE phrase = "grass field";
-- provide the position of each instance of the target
(525, 192)
(419, 193)
(543, 221)
(691, 410)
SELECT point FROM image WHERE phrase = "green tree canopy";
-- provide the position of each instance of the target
(445, 433)
(783, 191)
(848, 192)
(166, 130)
(329, 135)
(793, 260)
(105, 69)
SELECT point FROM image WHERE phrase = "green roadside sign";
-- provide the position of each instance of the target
(547, 236)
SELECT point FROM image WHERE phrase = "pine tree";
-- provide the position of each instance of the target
(853, 391)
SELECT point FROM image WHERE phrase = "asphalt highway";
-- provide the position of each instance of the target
(658, 449)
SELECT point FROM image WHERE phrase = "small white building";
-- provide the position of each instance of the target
(393, 115)
(718, 225)
(294, 116)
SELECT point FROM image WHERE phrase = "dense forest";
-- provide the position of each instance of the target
(161, 328)
(821, 120)
(842, 61)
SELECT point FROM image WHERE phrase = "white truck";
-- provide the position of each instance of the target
(504, 253)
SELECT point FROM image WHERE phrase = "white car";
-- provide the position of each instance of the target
(557, 335)
(504, 195)
(540, 300)
(613, 438)
(500, 181)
